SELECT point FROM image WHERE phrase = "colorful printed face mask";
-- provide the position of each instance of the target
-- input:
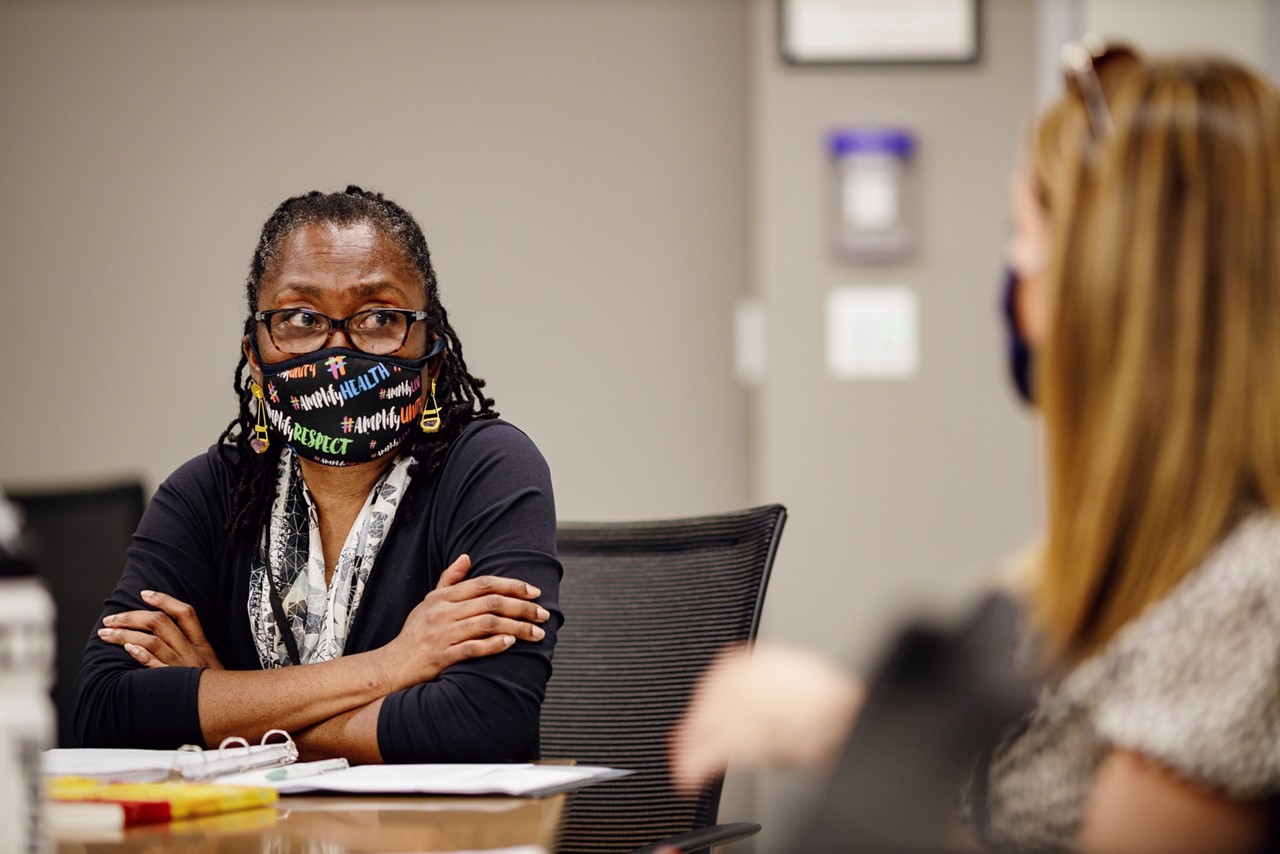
(340, 407)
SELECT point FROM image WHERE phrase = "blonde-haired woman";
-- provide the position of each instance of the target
(1145, 273)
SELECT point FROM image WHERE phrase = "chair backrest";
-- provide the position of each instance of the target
(647, 606)
(79, 539)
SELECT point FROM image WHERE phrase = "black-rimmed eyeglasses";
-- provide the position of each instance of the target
(380, 331)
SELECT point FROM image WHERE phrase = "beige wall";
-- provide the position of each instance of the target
(1236, 28)
(899, 489)
(579, 169)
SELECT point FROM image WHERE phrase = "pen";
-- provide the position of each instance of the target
(307, 769)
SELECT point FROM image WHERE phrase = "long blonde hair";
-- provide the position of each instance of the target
(1160, 376)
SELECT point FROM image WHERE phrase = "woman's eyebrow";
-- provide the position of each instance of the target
(369, 289)
(301, 289)
(360, 291)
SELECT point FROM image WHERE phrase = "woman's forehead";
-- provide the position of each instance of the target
(357, 251)
(350, 243)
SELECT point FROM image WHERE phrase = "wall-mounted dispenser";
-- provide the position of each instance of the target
(872, 209)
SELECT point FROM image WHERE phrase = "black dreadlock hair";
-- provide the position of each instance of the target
(458, 393)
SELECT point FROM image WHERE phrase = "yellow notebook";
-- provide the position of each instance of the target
(81, 802)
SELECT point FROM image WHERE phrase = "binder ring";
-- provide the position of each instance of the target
(224, 760)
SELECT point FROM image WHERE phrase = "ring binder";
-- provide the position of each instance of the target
(190, 762)
(195, 764)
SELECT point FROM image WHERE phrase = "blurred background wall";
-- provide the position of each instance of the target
(903, 494)
(579, 169)
(601, 182)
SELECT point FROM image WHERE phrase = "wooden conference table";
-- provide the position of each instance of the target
(341, 824)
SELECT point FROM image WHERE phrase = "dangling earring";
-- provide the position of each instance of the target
(259, 442)
(431, 415)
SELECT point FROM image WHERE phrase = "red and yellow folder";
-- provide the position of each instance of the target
(82, 802)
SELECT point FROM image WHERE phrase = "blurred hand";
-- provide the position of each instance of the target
(462, 618)
(169, 637)
(775, 706)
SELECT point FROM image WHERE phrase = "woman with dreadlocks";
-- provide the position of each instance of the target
(366, 558)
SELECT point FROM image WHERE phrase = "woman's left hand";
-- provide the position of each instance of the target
(169, 637)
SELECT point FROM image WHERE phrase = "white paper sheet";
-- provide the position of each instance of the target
(451, 779)
(499, 779)
(393, 803)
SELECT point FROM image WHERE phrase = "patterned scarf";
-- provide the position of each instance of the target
(289, 568)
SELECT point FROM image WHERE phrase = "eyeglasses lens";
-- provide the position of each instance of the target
(375, 331)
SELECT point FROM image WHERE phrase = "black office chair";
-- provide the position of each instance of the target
(647, 606)
(79, 539)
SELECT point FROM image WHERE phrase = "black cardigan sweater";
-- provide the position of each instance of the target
(492, 500)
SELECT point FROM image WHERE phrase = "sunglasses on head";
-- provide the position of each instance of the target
(1085, 64)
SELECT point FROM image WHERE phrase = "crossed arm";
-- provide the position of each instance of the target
(332, 707)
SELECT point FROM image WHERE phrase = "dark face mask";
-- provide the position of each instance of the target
(341, 407)
(1020, 352)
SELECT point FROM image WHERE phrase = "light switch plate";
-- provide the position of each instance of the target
(748, 341)
(872, 332)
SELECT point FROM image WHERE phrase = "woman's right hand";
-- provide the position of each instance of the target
(462, 618)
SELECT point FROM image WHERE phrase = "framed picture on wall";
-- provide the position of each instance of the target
(878, 32)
